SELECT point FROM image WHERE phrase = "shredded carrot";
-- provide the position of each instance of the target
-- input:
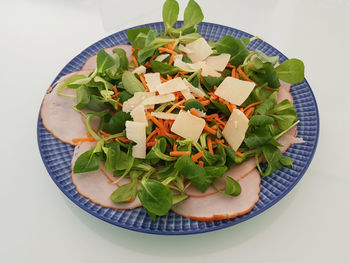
(133, 49)
(152, 58)
(120, 105)
(200, 163)
(233, 72)
(230, 66)
(252, 105)
(197, 156)
(201, 78)
(151, 144)
(205, 102)
(214, 127)
(249, 111)
(175, 147)
(271, 88)
(156, 121)
(171, 45)
(171, 60)
(169, 77)
(148, 64)
(105, 133)
(124, 140)
(229, 105)
(151, 135)
(175, 106)
(210, 144)
(243, 75)
(83, 139)
(210, 130)
(163, 79)
(173, 136)
(220, 142)
(179, 153)
(212, 116)
(239, 154)
(129, 199)
(193, 112)
(116, 93)
(144, 83)
(167, 50)
(134, 60)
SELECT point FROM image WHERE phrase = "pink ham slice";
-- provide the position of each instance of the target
(57, 114)
(95, 185)
(220, 206)
(91, 61)
(284, 92)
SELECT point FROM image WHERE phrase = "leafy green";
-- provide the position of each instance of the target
(87, 162)
(83, 97)
(133, 33)
(235, 47)
(155, 197)
(193, 103)
(210, 82)
(112, 152)
(157, 152)
(258, 138)
(264, 58)
(124, 96)
(97, 103)
(232, 187)
(179, 198)
(126, 193)
(170, 13)
(131, 83)
(262, 72)
(123, 60)
(221, 107)
(291, 71)
(230, 157)
(215, 171)
(261, 120)
(164, 69)
(104, 61)
(117, 123)
(193, 15)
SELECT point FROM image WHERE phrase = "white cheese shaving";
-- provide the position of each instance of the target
(234, 90)
(136, 100)
(188, 126)
(136, 131)
(208, 71)
(218, 62)
(235, 129)
(161, 57)
(185, 49)
(200, 50)
(171, 86)
(139, 70)
(153, 81)
(138, 114)
(163, 115)
(194, 90)
(159, 99)
(187, 94)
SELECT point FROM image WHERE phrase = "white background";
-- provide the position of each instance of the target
(39, 224)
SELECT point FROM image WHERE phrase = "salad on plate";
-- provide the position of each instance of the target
(175, 122)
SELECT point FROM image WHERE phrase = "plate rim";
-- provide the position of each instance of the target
(243, 218)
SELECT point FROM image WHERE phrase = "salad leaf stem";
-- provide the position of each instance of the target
(286, 130)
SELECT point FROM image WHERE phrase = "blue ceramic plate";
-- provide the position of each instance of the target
(57, 155)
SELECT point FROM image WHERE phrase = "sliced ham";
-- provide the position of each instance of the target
(289, 138)
(221, 206)
(284, 92)
(91, 61)
(95, 186)
(57, 114)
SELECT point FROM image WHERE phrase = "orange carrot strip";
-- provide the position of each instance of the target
(220, 142)
(239, 154)
(252, 105)
(197, 156)
(211, 117)
(175, 105)
(171, 60)
(249, 111)
(210, 130)
(220, 121)
(193, 112)
(169, 77)
(135, 61)
(163, 79)
(156, 121)
(243, 75)
(179, 153)
(175, 147)
(105, 133)
(120, 105)
(173, 136)
(148, 64)
(230, 66)
(167, 50)
(144, 83)
(205, 102)
(124, 140)
(214, 127)
(151, 135)
(200, 163)
(83, 139)
(210, 144)
(151, 144)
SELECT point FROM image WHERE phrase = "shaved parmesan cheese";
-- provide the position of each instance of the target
(200, 113)
(136, 100)
(218, 62)
(188, 126)
(200, 50)
(163, 115)
(185, 66)
(187, 94)
(193, 89)
(235, 129)
(159, 99)
(171, 86)
(153, 81)
(208, 71)
(162, 57)
(138, 114)
(185, 49)
(234, 90)
(139, 70)
(136, 131)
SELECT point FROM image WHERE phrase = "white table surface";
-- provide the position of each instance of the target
(39, 224)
